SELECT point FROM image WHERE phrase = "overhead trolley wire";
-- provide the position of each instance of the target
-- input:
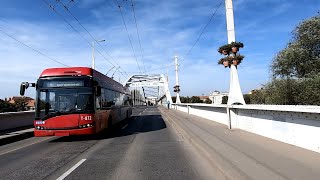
(32, 48)
(213, 14)
(54, 10)
(138, 34)
(67, 9)
(125, 25)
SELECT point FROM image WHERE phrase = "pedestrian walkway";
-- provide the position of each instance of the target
(243, 155)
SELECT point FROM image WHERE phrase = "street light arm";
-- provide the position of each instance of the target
(93, 58)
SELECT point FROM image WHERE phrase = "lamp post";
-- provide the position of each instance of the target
(93, 59)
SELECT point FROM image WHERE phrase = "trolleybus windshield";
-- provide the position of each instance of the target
(61, 100)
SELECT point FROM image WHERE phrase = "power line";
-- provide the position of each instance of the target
(67, 9)
(135, 20)
(125, 25)
(213, 14)
(54, 10)
(32, 48)
(155, 69)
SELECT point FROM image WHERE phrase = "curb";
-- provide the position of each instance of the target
(16, 137)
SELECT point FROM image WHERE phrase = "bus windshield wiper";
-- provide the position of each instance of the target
(52, 114)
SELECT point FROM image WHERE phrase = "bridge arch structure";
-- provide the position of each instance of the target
(149, 88)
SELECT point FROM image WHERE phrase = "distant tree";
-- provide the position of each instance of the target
(258, 97)
(21, 104)
(7, 107)
(224, 99)
(301, 57)
(174, 98)
(207, 101)
(296, 69)
(247, 98)
(195, 99)
(185, 99)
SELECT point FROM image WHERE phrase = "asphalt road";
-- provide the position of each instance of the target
(144, 147)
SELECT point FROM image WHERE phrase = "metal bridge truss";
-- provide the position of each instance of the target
(149, 88)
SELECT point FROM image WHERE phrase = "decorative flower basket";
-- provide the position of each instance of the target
(236, 60)
(225, 49)
(225, 61)
(234, 49)
(232, 56)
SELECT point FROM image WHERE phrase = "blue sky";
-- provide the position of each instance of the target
(166, 28)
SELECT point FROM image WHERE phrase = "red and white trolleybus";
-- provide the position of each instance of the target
(77, 101)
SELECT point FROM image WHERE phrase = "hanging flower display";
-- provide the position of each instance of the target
(231, 52)
(225, 49)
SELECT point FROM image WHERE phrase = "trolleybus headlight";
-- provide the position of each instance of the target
(85, 125)
(40, 128)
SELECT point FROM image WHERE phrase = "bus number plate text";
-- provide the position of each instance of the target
(86, 118)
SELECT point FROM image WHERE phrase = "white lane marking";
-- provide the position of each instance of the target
(23, 146)
(124, 126)
(64, 175)
(143, 111)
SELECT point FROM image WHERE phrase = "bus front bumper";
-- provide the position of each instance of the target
(82, 131)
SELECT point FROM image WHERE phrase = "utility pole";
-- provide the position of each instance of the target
(177, 87)
(235, 94)
(168, 74)
(93, 65)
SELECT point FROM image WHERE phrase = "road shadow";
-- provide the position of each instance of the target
(130, 126)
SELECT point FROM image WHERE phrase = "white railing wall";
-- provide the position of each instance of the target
(16, 119)
(296, 125)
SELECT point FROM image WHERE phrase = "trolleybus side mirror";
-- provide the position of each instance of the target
(22, 89)
(25, 86)
(98, 91)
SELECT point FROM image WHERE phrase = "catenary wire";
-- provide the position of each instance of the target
(54, 10)
(32, 48)
(213, 14)
(67, 9)
(130, 41)
(138, 34)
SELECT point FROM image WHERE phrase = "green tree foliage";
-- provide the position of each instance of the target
(185, 99)
(195, 99)
(295, 69)
(207, 101)
(282, 91)
(247, 98)
(301, 57)
(258, 97)
(21, 104)
(309, 91)
(174, 98)
(224, 99)
(7, 107)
